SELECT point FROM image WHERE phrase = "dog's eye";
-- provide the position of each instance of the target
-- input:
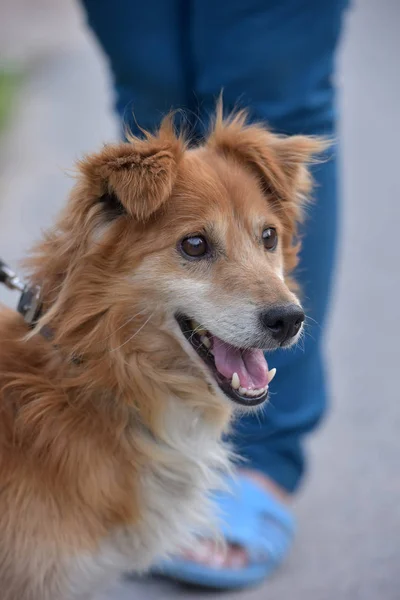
(195, 246)
(270, 238)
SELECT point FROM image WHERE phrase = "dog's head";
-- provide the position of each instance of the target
(183, 255)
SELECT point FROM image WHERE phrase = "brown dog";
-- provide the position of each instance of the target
(164, 279)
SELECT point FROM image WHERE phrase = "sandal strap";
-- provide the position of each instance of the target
(255, 520)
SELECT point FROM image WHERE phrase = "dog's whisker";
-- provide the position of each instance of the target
(313, 322)
(301, 344)
(309, 335)
(124, 324)
(135, 334)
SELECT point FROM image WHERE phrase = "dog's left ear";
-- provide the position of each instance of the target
(280, 162)
(294, 154)
(138, 174)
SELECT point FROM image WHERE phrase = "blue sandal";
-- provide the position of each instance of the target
(254, 520)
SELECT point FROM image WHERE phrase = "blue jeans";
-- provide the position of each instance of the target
(275, 57)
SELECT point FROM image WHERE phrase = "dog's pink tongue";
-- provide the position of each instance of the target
(250, 365)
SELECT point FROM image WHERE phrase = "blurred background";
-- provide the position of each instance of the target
(55, 104)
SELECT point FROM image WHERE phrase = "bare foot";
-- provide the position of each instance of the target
(233, 556)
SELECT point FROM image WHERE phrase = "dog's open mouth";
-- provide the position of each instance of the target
(242, 374)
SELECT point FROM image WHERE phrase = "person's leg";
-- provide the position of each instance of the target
(277, 59)
(145, 44)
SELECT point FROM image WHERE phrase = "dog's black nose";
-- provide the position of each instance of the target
(283, 321)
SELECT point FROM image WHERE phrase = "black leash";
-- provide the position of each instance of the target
(29, 304)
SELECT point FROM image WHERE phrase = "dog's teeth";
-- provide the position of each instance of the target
(271, 374)
(252, 393)
(197, 328)
(235, 383)
(245, 391)
(205, 341)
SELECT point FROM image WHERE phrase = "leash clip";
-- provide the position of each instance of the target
(29, 305)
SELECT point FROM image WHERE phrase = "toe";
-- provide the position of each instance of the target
(211, 554)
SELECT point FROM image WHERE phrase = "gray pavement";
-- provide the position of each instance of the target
(348, 547)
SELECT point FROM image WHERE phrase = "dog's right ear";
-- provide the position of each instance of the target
(138, 174)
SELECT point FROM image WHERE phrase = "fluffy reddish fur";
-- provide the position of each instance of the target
(71, 450)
